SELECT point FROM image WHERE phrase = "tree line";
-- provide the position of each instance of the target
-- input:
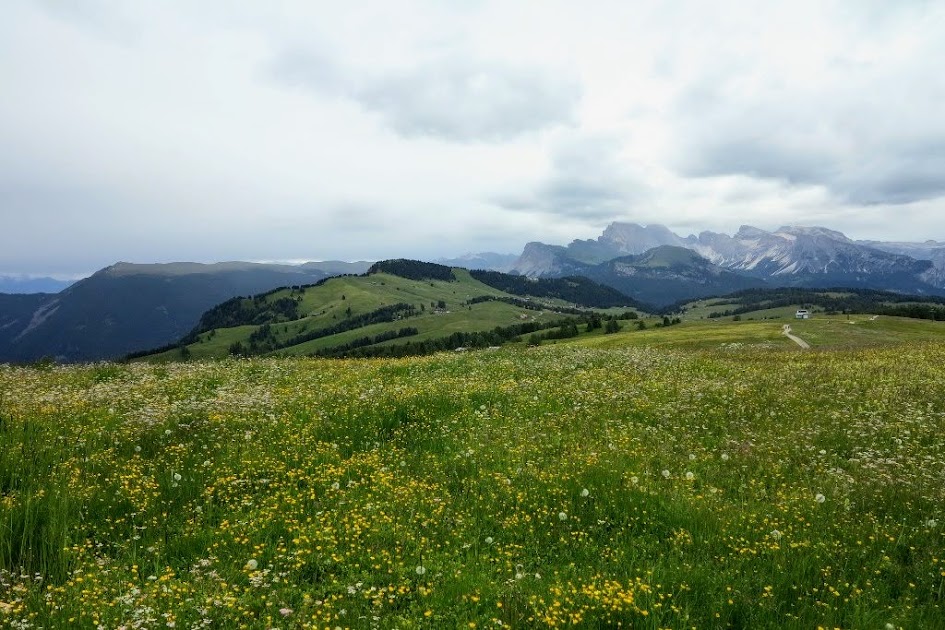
(575, 289)
(413, 270)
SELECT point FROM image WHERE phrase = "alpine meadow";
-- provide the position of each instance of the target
(472, 315)
(579, 484)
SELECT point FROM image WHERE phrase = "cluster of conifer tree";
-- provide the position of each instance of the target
(835, 301)
(413, 270)
(577, 289)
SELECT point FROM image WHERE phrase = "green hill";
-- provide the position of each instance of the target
(398, 307)
(127, 307)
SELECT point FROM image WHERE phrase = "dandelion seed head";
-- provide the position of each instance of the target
(562, 516)
(585, 492)
(820, 498)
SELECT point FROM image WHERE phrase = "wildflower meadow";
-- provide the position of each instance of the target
(546, 487)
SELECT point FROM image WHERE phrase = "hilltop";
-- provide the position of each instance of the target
(397, 307)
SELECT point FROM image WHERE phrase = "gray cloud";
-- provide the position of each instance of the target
(856, 166)
(308, 69)
(908, 174)
(587, 179)
(458, 100)
(451, 98)
(864, 123)
(207, 131)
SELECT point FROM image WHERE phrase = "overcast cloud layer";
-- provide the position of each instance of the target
(159, 131)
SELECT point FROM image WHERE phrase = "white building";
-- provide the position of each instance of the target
(802, 314)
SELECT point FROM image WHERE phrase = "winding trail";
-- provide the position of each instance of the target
(786, 331)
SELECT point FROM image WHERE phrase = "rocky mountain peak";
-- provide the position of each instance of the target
(814, 231)
(633, 238)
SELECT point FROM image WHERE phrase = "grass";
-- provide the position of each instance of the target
(615, 480)
(821, 332)
(331, 302)
(711, 334)
(857, 331)
(481, 316)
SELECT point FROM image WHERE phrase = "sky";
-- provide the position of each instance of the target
(155, 131)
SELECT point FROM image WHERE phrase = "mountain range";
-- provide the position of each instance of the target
(26, 284)
(812, 257)
(128, 307)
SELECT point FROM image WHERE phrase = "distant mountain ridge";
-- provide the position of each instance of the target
(790, 256)
(25, 284)
(484, 260)
(668, 273)
(127, 307)
(658, 276)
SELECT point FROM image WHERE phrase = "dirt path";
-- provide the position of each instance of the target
(786, 331)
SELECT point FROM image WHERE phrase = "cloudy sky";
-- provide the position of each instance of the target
(176, 130)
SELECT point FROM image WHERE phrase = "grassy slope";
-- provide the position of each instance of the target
(557, 486)
(326, 305)
(859, 331)
(821, 332)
